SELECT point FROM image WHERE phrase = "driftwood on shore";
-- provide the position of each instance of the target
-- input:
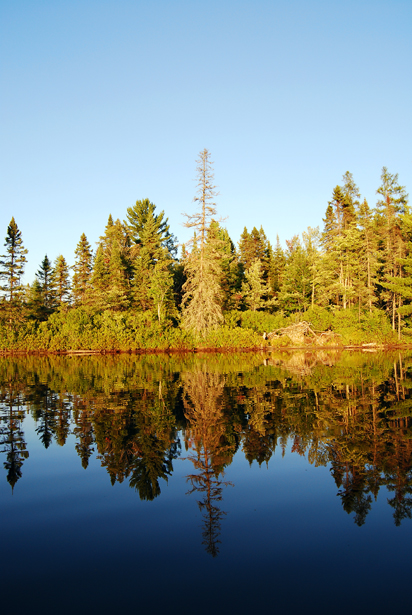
(301, 334)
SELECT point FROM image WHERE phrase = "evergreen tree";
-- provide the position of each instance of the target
(45, 279)
(340, 240)
(367, 253)
(401, 285)
(112, 268)
(99, 282)
(202, 298)
(277, 262)
(255, 290)
(161, 290)
(296, 290)
(118, 287)
(138, 218)
(311, 241)
(35, 301)
(61, 281)
(252, 246)
(82, 270)
(150, 250)
(390, 207)
(12, 263)
(231, 272)
(12, 437)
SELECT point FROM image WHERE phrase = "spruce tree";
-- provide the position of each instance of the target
(61, 281)
(252, 246)
(35, 301)
(45, 277)
(82, 270)
(118, 286)
(231, 271)
(112, 272)
(202, 298)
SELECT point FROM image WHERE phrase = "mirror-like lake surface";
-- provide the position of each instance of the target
(206, 483)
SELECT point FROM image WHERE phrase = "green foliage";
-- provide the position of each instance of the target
(262, 321)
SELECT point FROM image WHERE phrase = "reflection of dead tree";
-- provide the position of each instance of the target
(203, 409)
(301, 334)
(205, 482)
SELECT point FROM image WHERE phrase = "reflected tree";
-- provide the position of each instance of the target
(202, 394)
(12, 436)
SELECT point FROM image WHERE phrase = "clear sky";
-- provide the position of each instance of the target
(105, 102)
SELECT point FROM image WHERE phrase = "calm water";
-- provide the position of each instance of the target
(233, 483)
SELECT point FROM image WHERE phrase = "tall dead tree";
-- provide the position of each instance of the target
(202, 297)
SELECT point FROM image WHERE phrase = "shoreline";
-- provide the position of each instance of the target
(369, 347)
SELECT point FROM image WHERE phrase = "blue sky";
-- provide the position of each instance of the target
(103, 103)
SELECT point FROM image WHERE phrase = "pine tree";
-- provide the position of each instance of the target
(202, 298)
(82, 270)
(152, 243)
(12, 263)
(137, 219)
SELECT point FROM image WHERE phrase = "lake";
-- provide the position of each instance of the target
(244, 482)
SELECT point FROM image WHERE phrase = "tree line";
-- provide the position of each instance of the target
(360, 262)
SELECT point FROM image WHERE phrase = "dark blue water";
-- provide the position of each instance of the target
(270, 537)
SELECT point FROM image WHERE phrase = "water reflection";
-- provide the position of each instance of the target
(206, 435)
(350, 412)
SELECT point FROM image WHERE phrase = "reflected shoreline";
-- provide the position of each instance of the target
(351, 412)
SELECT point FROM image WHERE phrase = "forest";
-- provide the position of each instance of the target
(352, 277)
